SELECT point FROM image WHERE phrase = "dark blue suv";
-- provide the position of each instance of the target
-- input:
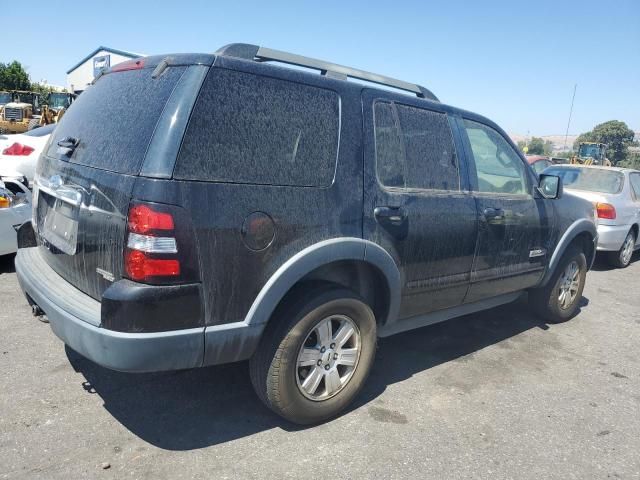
(198, 209)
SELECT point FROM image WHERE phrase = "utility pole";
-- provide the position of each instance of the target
(564, 147)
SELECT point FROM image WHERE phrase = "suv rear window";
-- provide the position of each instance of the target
(247, 128)
(115, 119)
(414, 148)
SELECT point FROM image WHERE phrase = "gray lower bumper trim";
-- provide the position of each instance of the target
(129, 352)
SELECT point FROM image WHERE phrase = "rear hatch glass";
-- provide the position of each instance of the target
(81, 202)
(115, 119)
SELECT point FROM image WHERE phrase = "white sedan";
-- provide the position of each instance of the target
(15, 209)
(20, 152)
(615, 193)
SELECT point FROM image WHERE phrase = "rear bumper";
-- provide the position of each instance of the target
(611, 237)
(76, 319)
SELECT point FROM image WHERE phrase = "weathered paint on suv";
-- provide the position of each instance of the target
(218, 208)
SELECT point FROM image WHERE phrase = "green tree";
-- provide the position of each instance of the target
(536, 146)
(632, 161)
(565, 154)
(616, 134)
(13, 76)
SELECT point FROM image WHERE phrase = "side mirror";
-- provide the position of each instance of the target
(550, 186)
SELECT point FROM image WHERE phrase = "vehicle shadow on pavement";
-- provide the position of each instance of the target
(601, 264)
(203, 407)
(7, 264)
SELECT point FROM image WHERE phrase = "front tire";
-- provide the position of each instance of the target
(622, 258)
(315, 355)
(559, 300)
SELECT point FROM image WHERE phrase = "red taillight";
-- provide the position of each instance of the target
(140, 267)
(152, 252)
(606, 210)
(144, 220)
(128, 65)
(18, 149)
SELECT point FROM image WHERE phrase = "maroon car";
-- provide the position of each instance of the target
(539, 162)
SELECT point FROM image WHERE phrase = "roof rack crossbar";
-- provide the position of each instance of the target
(263, 54)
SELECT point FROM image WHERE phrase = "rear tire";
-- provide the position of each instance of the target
(622, 258)
(559, 300)
(303, 369)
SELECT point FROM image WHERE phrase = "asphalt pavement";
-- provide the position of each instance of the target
(492, 395)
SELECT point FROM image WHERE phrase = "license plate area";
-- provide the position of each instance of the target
(59, 226)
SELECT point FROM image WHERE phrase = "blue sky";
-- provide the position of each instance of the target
(515, 62)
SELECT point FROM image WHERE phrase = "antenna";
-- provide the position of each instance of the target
(570, 113)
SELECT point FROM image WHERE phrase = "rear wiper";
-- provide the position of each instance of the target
(67, 145)
(68, 142)
(161, 67)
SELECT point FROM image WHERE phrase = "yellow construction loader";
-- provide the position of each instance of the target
(55, 107)
(20, 114)
(591, 153)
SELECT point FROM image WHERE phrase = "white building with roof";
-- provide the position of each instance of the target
(82, 73)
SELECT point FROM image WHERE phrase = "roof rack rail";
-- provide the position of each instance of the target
(262, 54)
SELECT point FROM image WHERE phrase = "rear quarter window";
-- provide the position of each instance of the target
(634, 178)
(252, 129)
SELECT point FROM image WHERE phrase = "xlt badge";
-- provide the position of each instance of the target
(106, 275)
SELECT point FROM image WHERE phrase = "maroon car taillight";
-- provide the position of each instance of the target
(153, 253)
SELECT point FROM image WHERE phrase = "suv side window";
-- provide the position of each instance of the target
(499, 168)
(634, 179)
(414, 148)
(253, 129)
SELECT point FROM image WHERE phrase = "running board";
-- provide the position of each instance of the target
(419, 321)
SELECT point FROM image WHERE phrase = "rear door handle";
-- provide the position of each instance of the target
(393, 215)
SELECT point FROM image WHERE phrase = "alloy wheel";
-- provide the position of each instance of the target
(328, 357)
(569, 285)
(627, 250)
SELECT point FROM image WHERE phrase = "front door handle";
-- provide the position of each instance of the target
(493, 214)
(392, 215)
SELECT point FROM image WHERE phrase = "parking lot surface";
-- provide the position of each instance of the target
(491, 395)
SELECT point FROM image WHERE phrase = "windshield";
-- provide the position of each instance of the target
(24, 97)
(115, 136)
(5, 97)
(589, 151)
(59, 100)
(589, 179)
